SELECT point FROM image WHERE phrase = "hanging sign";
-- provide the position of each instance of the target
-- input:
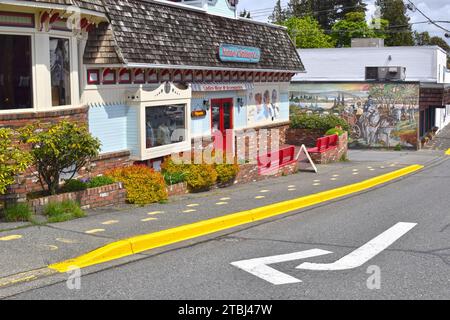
(234, 53)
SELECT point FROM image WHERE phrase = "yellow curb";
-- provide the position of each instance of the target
(159, 239)
(447, 152)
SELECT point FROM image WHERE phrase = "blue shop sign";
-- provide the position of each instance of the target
(234, 53)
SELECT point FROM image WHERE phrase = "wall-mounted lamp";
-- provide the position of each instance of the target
(206, 104)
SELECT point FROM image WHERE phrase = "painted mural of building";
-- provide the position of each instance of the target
(390, 96)
(146, 76)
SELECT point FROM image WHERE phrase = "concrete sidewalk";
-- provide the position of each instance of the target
(33, 247)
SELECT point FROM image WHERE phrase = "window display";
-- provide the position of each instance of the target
(60, 71)
(16, 89)
(165, 125)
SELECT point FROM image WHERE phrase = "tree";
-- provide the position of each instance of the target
(400, 31)
(322, 10)
(307, 33)
(13, 160)
(278, 15)
(355, 26)
(62, 148)
(422, 38)
(346, 6)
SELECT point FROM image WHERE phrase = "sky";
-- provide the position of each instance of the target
(435, 9)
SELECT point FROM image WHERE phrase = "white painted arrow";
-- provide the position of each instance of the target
(363, 254)
(259, 267)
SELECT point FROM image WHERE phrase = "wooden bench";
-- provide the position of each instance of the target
(325, 144)
(272, 161)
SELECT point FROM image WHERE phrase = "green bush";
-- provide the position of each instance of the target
(74, 186)
(63, 211)
(333, 131)
(18, 212)
(13, 160)
(100, 181)
(143, 184)
(317, 122)
(57, 149)
(200, 177)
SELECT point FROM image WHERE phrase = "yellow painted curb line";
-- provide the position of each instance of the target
(146, 242)
(447, 152)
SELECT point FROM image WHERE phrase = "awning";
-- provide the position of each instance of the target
(216, 86)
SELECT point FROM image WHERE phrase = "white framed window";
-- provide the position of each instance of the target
(60, 71)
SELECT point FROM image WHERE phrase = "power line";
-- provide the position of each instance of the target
(413, 7)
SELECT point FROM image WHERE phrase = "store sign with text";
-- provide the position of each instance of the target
(220, 87)
(235, 53)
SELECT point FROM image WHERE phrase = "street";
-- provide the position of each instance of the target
(415, 266)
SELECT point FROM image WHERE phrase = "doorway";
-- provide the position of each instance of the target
(221, 121)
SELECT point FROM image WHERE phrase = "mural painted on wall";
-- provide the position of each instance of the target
(380, 115)
(264, 105)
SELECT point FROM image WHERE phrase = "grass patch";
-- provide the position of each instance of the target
(63, 211)
(18, 213)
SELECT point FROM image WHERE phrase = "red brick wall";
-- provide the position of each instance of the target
(333, 155)
(110, 195)
(308, 137)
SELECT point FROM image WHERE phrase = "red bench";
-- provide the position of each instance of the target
(274, 160)
(325, 143)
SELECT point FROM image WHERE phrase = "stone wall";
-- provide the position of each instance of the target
(110, 195)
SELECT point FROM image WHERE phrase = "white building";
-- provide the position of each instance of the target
(348, 77)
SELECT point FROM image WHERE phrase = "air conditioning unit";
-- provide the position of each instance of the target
(385, 73)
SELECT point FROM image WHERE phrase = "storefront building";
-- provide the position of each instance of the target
(146, 76)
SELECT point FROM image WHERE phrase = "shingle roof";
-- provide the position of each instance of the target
(95, 5)
(153, 33)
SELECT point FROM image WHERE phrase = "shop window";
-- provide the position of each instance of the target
(188, 76)
(153, 76)
(60, 71)
(199, 76)
(124, 76)
(93, 76)
(165, 125)
(139, 76)
(16, 89)
(109, 76)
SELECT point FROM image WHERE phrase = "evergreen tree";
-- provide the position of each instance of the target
(346, 6)
(400, 31)
(278, 15)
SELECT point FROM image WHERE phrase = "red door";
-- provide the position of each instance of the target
(221, 121)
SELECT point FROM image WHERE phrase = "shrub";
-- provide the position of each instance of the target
(226, 172)
(398, 147)
(12, 159)
(333, 131)
(74, 186)
(18, 212)
(100, 181)
(143, 185)
(200, 177)
(63, 211)
(317, 122)
(62, 148)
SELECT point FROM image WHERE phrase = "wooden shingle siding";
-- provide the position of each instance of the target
(95, 5)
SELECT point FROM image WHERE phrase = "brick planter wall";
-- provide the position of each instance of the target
(297, 137)
(110, 195)
(334, 155)
(249, 173)
(108, 161)
(178, 189)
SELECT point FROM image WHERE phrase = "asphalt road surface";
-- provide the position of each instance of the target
(412, 263)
